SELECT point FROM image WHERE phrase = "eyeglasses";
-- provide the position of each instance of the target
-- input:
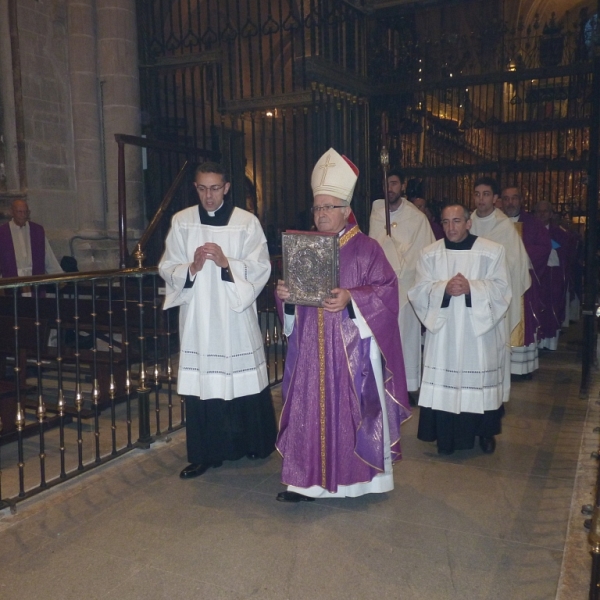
(213, 188)
(325, 208)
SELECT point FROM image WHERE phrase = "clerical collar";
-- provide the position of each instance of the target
(19, 226)
(211, 213)
(466, 244)
(217, 218)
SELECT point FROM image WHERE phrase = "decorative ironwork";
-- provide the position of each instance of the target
(78, 350)
(242, 78)
(235, 78)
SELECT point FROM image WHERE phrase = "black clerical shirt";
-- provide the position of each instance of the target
(466, 244)
(219, 219)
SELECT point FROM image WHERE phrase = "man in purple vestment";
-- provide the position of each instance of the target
(24, 248)
(344, 386)
(555, 279)
(536, 239)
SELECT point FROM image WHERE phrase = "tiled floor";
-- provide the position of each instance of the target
(469, 526)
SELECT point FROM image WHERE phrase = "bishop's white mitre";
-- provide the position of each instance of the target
(334, 175)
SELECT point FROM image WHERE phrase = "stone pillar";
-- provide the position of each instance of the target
(87, 134)
(9, 168)
(118, 71)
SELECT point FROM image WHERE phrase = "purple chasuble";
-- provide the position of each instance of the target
(536, 240)
(8, 261)
(331, 426)
(554, 284)
(438, 230)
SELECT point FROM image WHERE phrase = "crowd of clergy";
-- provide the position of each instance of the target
(542, 260)
(446, 315)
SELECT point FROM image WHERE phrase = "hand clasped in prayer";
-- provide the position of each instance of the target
(458, 285)
(208, 251)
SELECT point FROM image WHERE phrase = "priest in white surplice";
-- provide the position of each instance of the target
(410, 233)
(462, 294)
(491, 223)
(215, 265)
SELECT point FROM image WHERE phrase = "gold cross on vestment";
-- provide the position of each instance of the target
(326, 166)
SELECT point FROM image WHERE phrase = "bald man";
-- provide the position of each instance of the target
(536, 239)
(24, 247)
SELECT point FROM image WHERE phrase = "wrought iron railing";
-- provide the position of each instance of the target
(88, 365)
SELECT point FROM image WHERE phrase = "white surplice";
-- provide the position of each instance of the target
(411, 232)
(221, 346)
(498, 228)
(465, 348)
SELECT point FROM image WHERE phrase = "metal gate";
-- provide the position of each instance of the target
(513, 104)
(269, 85)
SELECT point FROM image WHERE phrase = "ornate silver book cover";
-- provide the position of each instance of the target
(310, 266)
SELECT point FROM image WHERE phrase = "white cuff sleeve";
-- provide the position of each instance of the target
(359, 321)
(288, 324)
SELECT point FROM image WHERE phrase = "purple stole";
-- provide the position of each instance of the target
(8, 261)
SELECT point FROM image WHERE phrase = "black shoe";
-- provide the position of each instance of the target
(523, 377)
(293, 497)
(487, 444)
(195, 469)
(445, 451)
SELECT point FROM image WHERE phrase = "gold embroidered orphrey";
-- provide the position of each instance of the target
(322, 403)
(517, 336)
(346, 237)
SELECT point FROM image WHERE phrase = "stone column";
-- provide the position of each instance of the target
(118, 71)
(87, 134)
(9, 168)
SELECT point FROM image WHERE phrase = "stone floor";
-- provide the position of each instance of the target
(469, 526)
